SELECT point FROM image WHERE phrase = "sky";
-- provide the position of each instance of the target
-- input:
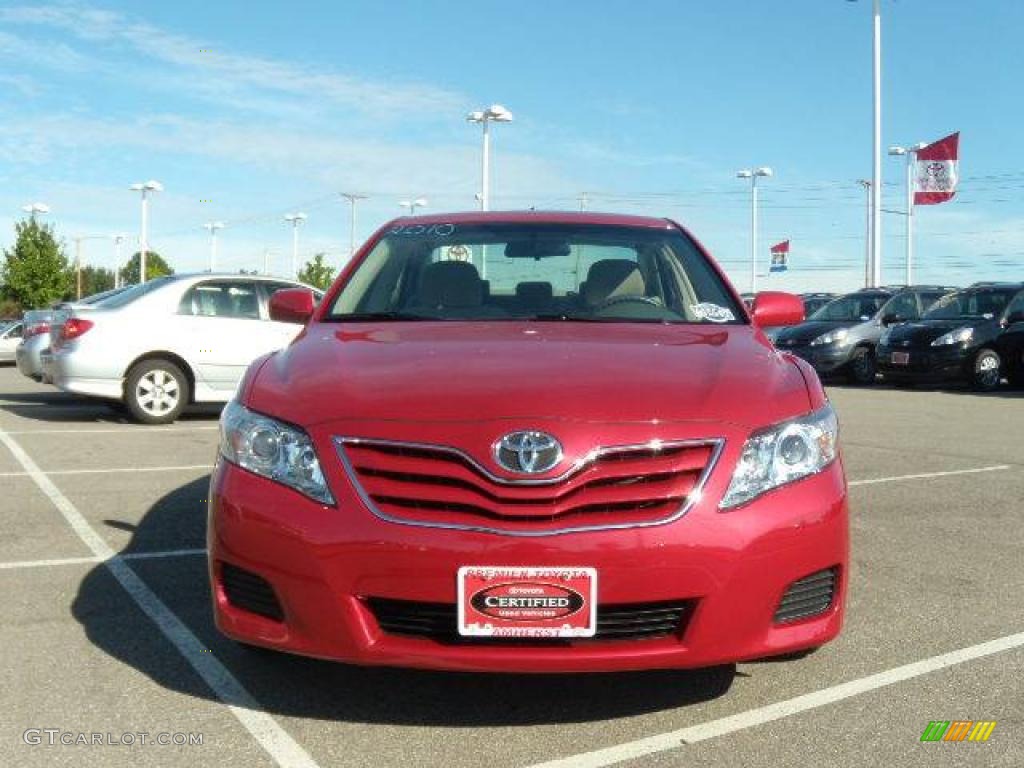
(248, 111)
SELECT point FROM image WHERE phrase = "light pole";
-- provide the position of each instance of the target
(867, 230)
(910, 153)
(295, 219)
(145, 187)
(78, 260)
(753, 174)
(34, 209)
(494, 113)
(412, 205)
(118, 239)
(212, 227)
(352, 199)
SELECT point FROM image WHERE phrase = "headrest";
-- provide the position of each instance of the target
(612, 277)
(534, 292)
(450, 284)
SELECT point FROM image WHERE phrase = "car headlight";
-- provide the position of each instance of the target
(275, 450)
(832, 337)
(783, 453)
(954, 337)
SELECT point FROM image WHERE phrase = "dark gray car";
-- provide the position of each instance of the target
(840, 338)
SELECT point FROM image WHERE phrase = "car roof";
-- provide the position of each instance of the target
(534, 217)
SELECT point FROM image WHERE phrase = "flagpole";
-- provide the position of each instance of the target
(876, 170)
(911, 158)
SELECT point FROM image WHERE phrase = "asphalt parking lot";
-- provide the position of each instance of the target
(107, 628)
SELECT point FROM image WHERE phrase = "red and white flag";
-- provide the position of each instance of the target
(937, 172)
(780, 257)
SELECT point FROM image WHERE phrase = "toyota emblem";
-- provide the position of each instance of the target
(528, 452)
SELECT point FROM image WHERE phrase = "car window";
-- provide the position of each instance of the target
(852, 308)
(929, 298)
(1016, 306)
(14, 332)
(128, 295)
(537, 271)
(903, 306)
(971, 303)
(222, 298)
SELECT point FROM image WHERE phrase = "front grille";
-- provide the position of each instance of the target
(250, 592)
(439, 622)
(808, 596)
(437, 485)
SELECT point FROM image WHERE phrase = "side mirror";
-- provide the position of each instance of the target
(890, 318)
(1015, 317)
(292, 305)
(773, 308)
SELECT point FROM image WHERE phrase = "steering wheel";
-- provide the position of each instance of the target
(613, 300)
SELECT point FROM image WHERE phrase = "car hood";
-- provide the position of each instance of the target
(926, 331)
(806, 332)
(471, 372)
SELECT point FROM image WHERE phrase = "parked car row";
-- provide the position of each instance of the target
(925, 334)
(159, 346)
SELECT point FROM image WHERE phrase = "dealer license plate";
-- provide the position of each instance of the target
(500, 601)
(900, 358)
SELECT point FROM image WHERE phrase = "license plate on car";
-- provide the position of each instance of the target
(500, 601)
(900, 358)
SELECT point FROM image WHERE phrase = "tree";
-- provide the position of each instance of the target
(155, 267)
(316, 273)
(35, 272)
(97, 279)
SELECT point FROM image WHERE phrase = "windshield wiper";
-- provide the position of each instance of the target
(364, 317)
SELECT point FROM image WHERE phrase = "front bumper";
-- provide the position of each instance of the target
(926, 364)
(323, 563)
(825, 359)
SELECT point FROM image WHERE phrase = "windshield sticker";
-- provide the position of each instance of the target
(712, 313)
(438, 230)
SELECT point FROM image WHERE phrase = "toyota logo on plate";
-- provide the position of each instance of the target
(528, 452)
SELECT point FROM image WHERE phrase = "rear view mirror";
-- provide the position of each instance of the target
(292, 305)
(537, 248)
(773, 308)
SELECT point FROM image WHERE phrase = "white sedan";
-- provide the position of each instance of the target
(172, 341)
(10, 337)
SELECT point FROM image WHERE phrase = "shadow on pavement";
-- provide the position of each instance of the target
(310, 688)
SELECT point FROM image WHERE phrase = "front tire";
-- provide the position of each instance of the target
(156, 391)
(862, 368)
(987, 371)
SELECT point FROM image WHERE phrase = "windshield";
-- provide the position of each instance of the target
(970, 304)
(569, 272)
(852, 308)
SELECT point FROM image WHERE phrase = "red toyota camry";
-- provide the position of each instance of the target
(530, 442)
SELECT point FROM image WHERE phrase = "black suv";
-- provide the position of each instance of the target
(960, 337)
(840, 338)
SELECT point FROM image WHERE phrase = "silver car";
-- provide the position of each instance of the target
(172, 341)
(35, 337)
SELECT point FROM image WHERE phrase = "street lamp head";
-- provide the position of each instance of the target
(477, 116)
(744, 174)
(295, 218)
(498, 113)
(764, 171)
(213, 226)
(419, 202)
(147, 186)
(34, 208)
(897, 150)
(920, 145)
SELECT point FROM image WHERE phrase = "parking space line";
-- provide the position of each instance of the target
(751, 718)
(112, 470)
(47, 563)
(281, 747)
(95, 559)
(928, 475)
